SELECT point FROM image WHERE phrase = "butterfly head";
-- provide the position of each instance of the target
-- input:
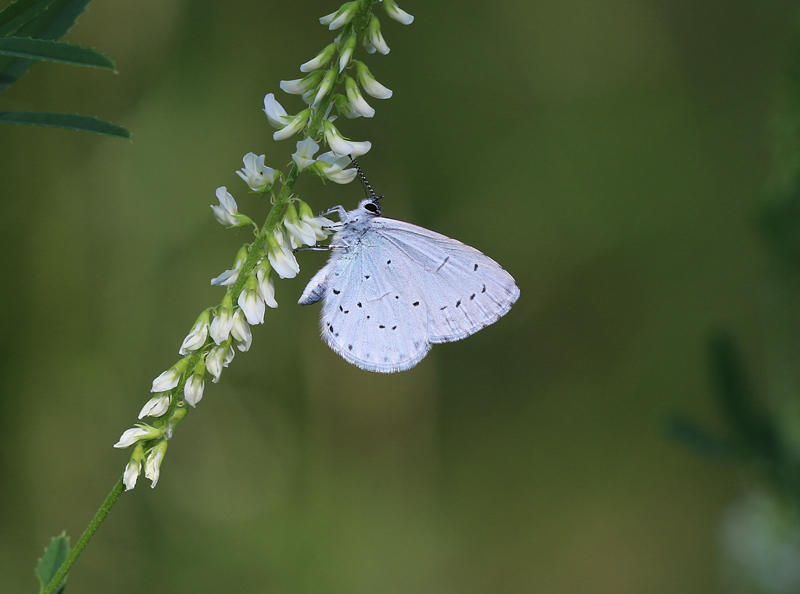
(371, 205)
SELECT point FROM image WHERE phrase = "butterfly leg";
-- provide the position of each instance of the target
(338, 210)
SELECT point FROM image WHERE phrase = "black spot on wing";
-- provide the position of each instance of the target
(415, 304)
(336, 291)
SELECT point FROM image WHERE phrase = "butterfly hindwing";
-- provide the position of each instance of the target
(367, 317)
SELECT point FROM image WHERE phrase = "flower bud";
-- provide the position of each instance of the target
(396, 12)
(341, 17)
(360, 106)
(152, 466)
(375, 37)
(347, 52)
(156, 406)
(368, 82)
(299, 86)
(197, 335)
(320, 60)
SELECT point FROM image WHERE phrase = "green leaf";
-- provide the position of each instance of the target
(698, 439)
(20, 12)
(64, 120)
(54, 51)
(51, 24)
(54, 556)
(751, 426)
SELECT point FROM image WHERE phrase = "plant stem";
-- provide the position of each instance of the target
(86, 537)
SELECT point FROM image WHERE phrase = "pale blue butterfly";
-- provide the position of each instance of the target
(392, 289)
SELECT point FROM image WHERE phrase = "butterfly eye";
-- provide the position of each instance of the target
(373, 208)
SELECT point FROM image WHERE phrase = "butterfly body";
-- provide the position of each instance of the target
(392, 289)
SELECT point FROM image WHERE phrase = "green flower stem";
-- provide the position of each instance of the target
(86, 536)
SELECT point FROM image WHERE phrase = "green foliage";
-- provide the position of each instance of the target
(54, 51)
(54, 556)
(13, 16)
(64, 120)
(29, 33)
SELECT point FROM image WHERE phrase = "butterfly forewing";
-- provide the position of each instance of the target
(464, 290)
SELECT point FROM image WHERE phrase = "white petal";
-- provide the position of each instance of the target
(276, 114)
(252, 305)
(155, 407)
(193, 391)
(166, 381)
(360, 148)
(132, 471)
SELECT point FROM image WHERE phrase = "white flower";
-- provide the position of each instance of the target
(193, 390)
(299, 86)
(170, 378)
(335, 140)
(375, 36)
(156, 406)
(347, 52)
(152, 466)
(371, 86)
(228, 277)
(320, 60)
(344, 107)
(229, 355)
(215, 361)
(134, 467)
(251, 302)
(304, 156)
(138, 433)
(281, 257)
(359, 148)
(222, 323)
(197, 335)
(359, 104)
(241, 331)
(231, 276)
(397, 13)
(276, 114)
(324, 87)
(300, 232)
(341, 17)
(367, 45)
(227, 213)
(255, 174)
(294, 126)
(266, 287)
(320, 225)
(333, 166)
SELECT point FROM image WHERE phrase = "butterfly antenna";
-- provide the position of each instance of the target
(364, 180)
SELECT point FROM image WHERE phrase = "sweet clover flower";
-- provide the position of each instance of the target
(332, 79)
(255, 174)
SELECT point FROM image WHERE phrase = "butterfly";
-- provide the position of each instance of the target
(391, 289)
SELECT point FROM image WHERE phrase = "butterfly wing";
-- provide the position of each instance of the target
(368, 315)
(463, 290)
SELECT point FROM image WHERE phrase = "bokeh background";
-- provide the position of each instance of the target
(608, 153)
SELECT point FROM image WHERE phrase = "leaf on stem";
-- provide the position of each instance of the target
(53, 23)
(54, 51)
(16, 14)
(64, 120)
(54, 556)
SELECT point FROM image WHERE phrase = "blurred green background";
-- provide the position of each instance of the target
(608, 153)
